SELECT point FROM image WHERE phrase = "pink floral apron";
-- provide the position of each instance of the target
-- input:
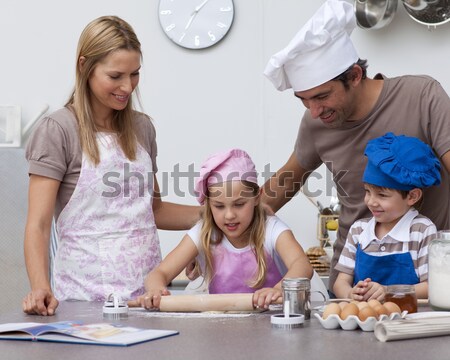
(107, 234)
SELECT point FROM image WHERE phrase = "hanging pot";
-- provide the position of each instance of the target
(428, 12)
(374, 14)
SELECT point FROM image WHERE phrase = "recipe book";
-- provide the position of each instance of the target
(79, 333)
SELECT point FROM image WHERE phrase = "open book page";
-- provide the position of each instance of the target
(73, 332)
(24, 328)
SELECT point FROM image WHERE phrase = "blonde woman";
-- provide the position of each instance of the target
(238, 248)
(92, 167)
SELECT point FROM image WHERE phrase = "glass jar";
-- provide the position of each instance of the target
(439, 271)
(404, 296)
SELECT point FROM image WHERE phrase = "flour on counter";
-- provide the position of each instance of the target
(207, 314)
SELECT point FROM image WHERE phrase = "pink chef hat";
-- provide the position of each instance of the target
(229, 165)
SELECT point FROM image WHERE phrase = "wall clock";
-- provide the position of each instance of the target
(196, 24)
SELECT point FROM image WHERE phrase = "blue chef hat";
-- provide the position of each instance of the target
(401, 162)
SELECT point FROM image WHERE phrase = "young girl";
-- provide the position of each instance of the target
(391, 247)
(238, 248)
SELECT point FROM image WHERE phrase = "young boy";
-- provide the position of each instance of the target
(392, 246)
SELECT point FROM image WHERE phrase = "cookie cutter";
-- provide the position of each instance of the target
(287, 320)
(115, 308)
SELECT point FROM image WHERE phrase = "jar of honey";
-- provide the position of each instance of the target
(404, 296)
(438, 271)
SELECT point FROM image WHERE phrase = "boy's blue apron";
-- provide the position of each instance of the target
(385, 270)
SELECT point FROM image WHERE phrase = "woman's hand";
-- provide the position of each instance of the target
(150, 300)
(40, 302)
(264, 297)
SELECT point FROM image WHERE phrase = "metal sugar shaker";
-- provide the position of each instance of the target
(298, 292)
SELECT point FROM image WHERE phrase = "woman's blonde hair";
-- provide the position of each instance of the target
(211, 235)
(100, 38)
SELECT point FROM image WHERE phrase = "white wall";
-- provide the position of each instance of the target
(202, 101)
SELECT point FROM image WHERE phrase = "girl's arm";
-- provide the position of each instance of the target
(296, 262)
(157, 280)
(41, 204)
(171, 216)
(293, 256)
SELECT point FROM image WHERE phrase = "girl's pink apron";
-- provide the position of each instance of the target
(233, 270)
(107, 234)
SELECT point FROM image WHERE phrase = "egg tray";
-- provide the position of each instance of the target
(352, 322)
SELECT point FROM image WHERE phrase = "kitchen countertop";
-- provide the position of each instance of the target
(250, 337)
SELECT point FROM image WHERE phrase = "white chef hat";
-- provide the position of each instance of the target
(320, 51)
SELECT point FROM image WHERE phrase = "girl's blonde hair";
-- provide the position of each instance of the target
(211, 235)
(100, 38)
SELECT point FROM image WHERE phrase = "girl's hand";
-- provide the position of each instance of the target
(262, 298)
(150, 300)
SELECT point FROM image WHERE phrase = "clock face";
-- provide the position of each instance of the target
(196, 24)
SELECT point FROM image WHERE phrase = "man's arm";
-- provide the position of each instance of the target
(446, 161)
(282, 186)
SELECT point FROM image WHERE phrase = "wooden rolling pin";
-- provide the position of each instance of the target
(208, 302)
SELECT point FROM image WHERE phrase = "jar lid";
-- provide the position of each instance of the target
(443, 235)
(296, 284)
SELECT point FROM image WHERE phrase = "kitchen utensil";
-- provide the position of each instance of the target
(297, 293)
(335, 205)
(428, 12)
(208, 302)
(374, 14)
(115, 308)
(287, 320)
(412, 328)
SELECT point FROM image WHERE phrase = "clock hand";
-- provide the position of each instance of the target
(197, 9)
(194, 14)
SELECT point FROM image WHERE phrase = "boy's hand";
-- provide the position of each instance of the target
(359, 291)
(375, 291)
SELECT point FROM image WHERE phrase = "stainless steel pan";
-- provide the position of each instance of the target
(428, 12)
(374, 14)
